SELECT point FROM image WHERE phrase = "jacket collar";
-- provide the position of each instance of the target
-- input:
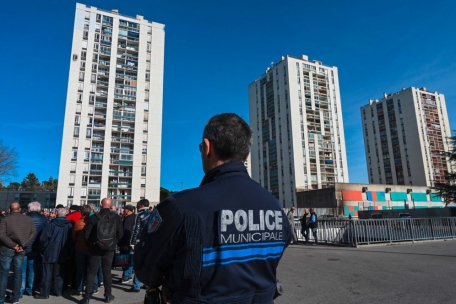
(234, 166)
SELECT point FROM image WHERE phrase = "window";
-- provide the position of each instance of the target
(70, 191)
(75, 57)
(79, 98)
(147, 86)
(147, 57)
(92, 88)
(146, 96)
(148, 48)
(77, 120)
(83, 65)
(86, 25)
(89, 133)
(94, 67)
(78, 108)
(81, 86)
(98, 18)
(83, 192)
(144, 149)
(143, 170)
(143, 182)
(74, 155)
(144, 137)
(84, 46)
(144, 159)
(148, 66)
(96, 46)
(73, 166)
(87, 15)
(146, 116)
(76, 132)
(147, 76)
(90, 110)
(93, 78)
(143, 193)
(146, 106)
(85, 35)
(75, 142)
(145, 127)
(85, 168)
(72, 179)
(83, 55)
(87, 144)
(86, 155)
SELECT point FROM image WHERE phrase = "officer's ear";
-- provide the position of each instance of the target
(208, 148)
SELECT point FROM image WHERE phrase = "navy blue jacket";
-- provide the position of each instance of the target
(55, 240)
(33, 249)
(219, 243)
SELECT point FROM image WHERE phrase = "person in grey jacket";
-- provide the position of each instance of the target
(16, 233)
(292, 224)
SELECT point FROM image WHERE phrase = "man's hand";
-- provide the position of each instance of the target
(132, 248)
(18, 248)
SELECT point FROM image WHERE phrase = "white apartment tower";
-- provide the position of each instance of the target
(111, 144)
(296, 118)
(404, 136)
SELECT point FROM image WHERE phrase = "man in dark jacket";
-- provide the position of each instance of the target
(124, 244)
(221, 242)
(31, 267)
(55, 247)
(98, 254)
(16, 233)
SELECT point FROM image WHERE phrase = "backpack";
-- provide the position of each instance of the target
(106, 233)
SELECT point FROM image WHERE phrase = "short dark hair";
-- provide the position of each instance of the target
(231, 136)
(86, 210)
(144, 202)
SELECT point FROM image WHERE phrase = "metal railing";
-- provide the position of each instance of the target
(370, 231)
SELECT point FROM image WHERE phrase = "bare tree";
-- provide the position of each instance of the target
(8, 161)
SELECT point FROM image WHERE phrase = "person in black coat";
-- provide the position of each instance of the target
(97, 254)
(55, 247)
(124, 245)
(31, 267)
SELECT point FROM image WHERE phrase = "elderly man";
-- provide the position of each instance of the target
(110, 225)
(290, 216)
(220, 242)
(31, 268)
(16, 233)
(55, 246)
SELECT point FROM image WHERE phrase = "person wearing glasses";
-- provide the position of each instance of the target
(220, 242)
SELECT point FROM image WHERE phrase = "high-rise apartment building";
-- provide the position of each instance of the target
(296, 118)
(111, 143)
(404, 136)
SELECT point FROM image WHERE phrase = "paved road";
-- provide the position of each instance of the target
(118, 290)
(403, 273)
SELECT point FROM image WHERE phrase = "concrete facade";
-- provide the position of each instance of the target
(296, 118)
(111, 144)
(404, 135)
(346, 199)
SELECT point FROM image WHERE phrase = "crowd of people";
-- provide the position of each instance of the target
(62, 248)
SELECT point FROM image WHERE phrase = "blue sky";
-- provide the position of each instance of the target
(213, 51)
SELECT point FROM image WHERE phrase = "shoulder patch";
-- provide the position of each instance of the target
(154, 222)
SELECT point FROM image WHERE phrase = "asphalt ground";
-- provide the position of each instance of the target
(416, 273)
(118, 290)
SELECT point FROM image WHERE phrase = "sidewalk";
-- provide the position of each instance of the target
(118, 290)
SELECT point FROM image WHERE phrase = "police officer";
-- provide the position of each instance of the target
(220, 242)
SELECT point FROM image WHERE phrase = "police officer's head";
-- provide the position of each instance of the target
(226, 137)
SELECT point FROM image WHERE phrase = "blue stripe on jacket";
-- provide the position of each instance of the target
(228, 254)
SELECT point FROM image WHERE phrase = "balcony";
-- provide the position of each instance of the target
(129, 38)
(126, 76)
(100, 104)
(95, 172)
(120, 173)
(104, 62)
(128, 67)
(128, 47)
(102, 93)
(125, 97)
(119, 196)
(94, 196)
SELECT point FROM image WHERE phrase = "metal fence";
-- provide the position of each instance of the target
(358, 232)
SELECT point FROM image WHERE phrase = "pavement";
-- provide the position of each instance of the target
(416, 273)
(118, 290)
